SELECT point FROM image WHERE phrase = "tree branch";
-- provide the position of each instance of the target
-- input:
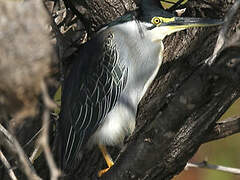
(176, 130)
(43, 141)
(222, 37)
(206, 165)
(13, 147)
(7, 166)
(223, 129)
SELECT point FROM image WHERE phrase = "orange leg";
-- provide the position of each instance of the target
(107, 158)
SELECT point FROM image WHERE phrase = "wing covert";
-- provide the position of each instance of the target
(97, 85)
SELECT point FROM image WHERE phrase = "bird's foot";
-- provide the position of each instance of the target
(107, 158)
(101, 172)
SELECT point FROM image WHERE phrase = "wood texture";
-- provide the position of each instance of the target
(182, 105)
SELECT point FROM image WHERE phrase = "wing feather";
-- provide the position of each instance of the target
(90, 91)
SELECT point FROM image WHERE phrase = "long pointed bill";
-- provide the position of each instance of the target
(165, 26)
(184, 23)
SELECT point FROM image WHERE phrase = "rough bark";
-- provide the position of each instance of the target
(179, 111)
(95, 14)
(182, 105)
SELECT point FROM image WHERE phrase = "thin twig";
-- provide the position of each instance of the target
(13, 146)
(26, 144)
(206, 165)
(43, 141)
(32, 138)
(8, 166)
(35, 154)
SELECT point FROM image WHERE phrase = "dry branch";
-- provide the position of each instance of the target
(7, 166)
(12, 146)
(224, 129)
(43, 141)
(206, 165)
(26, 55)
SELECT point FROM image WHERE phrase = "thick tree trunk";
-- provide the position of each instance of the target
(182, 105)
(179, 112)
(95, 14)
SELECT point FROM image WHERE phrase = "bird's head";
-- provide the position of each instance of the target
(160, 23)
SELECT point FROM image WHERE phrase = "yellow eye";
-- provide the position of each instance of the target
(156, 20)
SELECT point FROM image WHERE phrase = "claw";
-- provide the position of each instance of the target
(107, 158)
(101, 172)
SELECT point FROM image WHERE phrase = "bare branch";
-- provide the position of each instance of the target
(36, 150)
(35, 154)
(8, 166)
(14, 147)
(206, 165)
(34, 137)
(43, 141)
(223, 129)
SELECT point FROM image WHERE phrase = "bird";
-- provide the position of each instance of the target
(109, 76)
